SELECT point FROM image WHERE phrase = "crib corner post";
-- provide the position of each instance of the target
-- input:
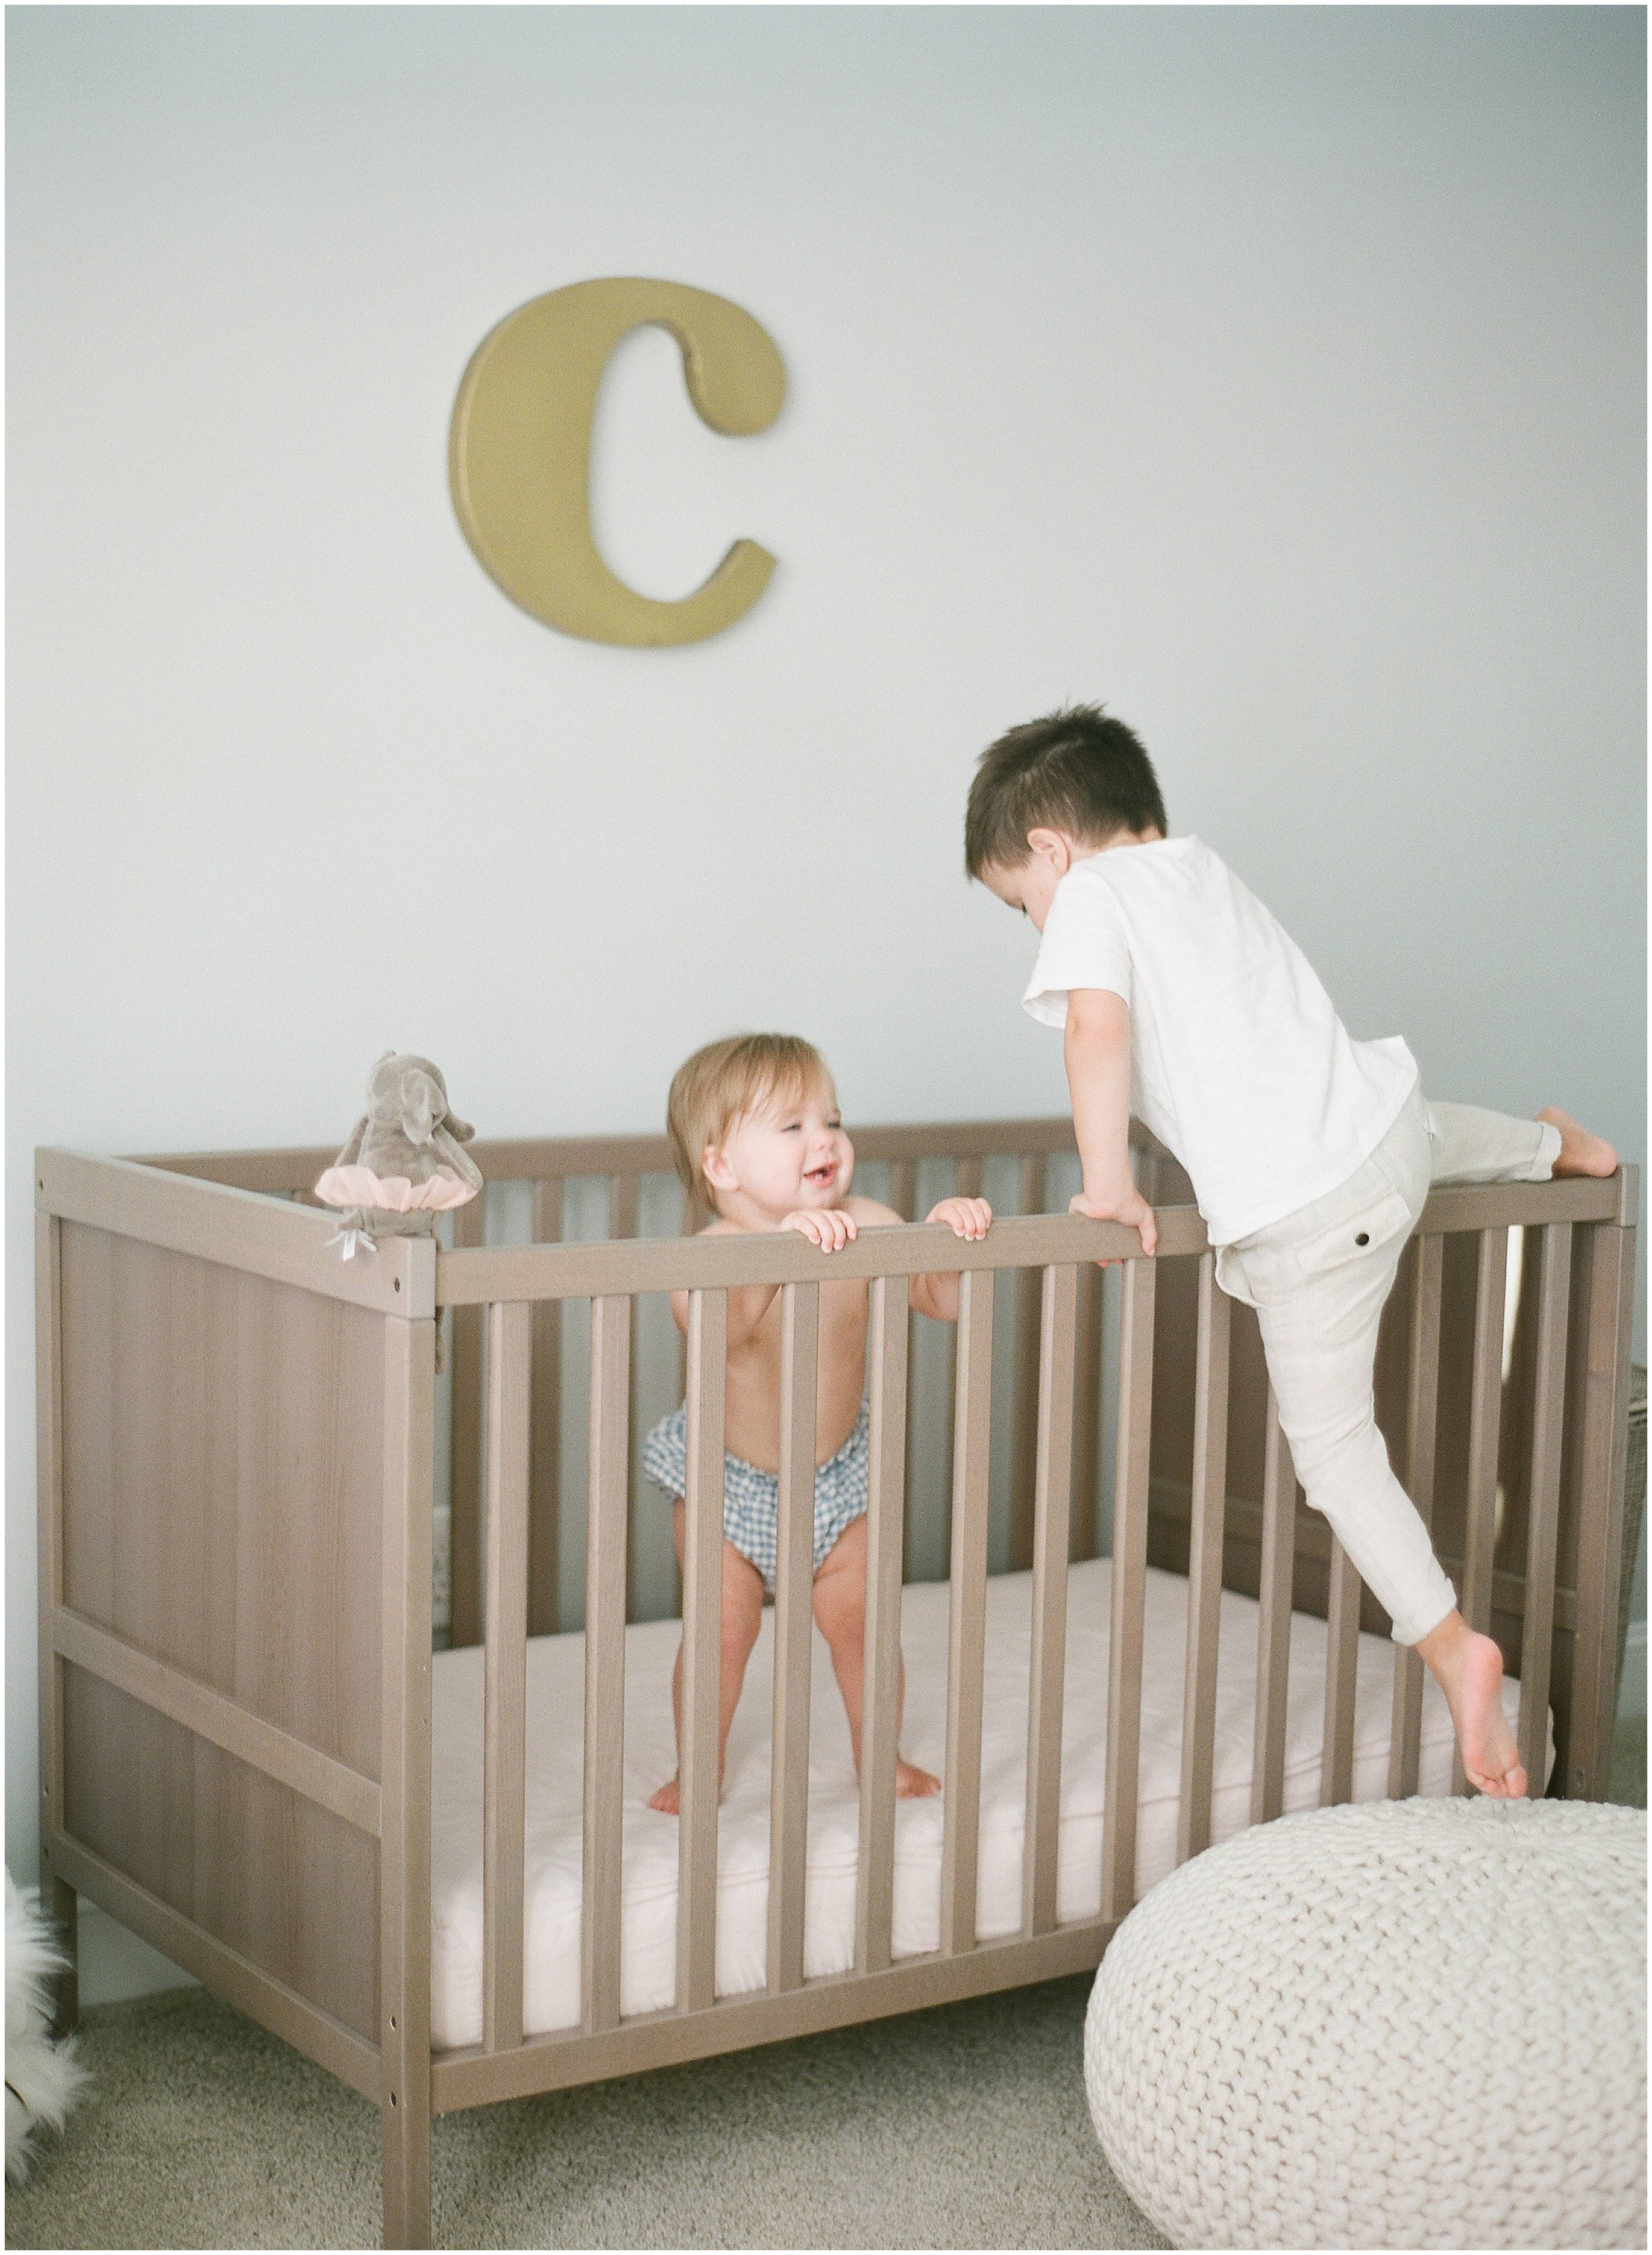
(58, 1901)
(404, 2092)
(1584, 1753)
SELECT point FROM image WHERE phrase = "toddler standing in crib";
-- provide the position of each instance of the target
(756, 1133)
(1310, 1155)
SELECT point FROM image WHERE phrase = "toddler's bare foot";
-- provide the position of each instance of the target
(912, 1784)
(1581, 1153)
(668, 1800)
(1469, 1670)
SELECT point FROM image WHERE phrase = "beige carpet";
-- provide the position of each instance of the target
(961, 2127)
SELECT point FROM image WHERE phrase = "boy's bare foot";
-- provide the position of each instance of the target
(1469, 1670)
(912, 1784)
(1581, 1153)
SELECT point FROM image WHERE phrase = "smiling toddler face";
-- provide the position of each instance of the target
(792, 1151)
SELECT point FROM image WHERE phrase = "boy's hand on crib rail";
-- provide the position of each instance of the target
(1132, 1209)
(827, 1226)
(968, 1217)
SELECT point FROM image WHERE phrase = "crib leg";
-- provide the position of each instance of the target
(407, 2140)
(404, 1651)
(61, 1905)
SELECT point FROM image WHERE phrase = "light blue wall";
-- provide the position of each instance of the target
(1275, 375)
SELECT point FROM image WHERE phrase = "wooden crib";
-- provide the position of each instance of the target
(237, 1454)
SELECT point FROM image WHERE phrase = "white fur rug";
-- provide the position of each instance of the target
(42, 2078)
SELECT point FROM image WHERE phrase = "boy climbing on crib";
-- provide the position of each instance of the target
(1310, 1155)
(756, 1133)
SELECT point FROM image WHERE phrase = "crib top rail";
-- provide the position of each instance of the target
(128, 1195)
(679, 1264)
(222, 1222)
(467, 1278)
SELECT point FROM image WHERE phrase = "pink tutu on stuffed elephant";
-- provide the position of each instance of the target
(405, 1161)
(360, 1186)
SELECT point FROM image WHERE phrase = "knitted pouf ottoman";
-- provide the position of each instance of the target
(1400, 2024)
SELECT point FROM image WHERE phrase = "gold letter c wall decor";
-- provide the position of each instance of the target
(520, 449)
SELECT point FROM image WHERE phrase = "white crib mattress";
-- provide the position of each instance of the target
(556, 1694)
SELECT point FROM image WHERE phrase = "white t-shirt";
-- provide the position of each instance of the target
(1238, 1062)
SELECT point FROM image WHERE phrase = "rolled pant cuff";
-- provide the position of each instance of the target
(1411, 1628)
(1543, 1166)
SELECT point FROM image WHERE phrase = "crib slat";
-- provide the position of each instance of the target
(1025, 1428)
(1130, 1494)
(1086, 1439)
(1485, 1422)
(904, 1198)
(965, 1183)
(794, 1582)
(881, 1683)
(624, 1199)
(1342, 1660)
(1422, 1398)
(702, 1653)
(691, 1217)
(1549, 1404)
(1052, 1535)
(1204, 1561)
(608, 1509)
(505, 1671)
(545, 1474)
(1273, 1625)
(464, 1516)
(966, 1612)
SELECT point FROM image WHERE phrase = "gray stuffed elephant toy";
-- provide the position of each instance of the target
(405, 1163)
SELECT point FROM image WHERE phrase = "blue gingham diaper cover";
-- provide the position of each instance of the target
(751, 1497)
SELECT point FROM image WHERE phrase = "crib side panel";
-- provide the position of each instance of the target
(287, 1885)
(222, 1441)
(216, 1647)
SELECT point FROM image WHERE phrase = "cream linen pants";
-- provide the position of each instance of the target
(1318, 1281)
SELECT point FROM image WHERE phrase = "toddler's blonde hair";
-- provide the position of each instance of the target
(723, 1082)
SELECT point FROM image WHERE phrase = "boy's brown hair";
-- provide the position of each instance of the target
(1078, 770)
(722, 1083)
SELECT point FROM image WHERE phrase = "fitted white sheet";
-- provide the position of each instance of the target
(555, 1715)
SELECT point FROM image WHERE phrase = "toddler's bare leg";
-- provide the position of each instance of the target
(1469, 1670)
(1581, 1152)
(839, 1607)
(742, 1618)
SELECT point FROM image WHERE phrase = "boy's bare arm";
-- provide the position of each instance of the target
(1097, 1051)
